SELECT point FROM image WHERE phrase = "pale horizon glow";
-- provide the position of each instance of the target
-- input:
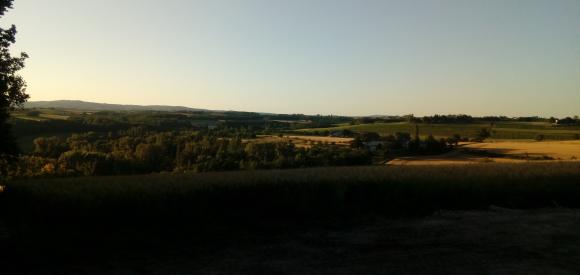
(494, 57)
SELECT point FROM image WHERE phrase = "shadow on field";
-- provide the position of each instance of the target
(354, 220)
(497, 241)
(505, 153)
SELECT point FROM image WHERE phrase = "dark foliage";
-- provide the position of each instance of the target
(483, 134)
(139, 150)
(12, 86)
(567, 121)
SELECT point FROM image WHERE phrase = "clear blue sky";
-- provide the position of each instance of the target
(307, 56)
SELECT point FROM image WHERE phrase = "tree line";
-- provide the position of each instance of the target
(138, 150)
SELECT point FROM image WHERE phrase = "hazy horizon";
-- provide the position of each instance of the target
(513, 58)
(235, 110)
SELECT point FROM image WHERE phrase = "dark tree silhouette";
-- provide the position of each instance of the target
(483, 134)
(12, 86)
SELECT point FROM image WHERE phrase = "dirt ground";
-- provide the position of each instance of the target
(495, 241)
(501, 151)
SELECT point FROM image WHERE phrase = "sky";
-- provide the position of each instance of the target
(359, 57)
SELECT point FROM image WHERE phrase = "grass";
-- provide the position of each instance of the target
(246, 197)
(54, 116)
(496, 241)
(301, 140)
(257, 219)
(43, 114)
(503, 130)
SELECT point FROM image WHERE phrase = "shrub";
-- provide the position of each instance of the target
(483, 134)
(33, 113)
(539, 137)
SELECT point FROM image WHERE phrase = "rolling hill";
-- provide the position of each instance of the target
(92, 106)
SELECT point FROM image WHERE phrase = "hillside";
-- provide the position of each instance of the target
(92, 106)
(501, 130)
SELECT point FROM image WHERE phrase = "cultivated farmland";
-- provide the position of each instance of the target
(301, 140)
(501, 152)
(500, 130)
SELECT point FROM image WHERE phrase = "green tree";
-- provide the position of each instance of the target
(151, 156)
(483, 134)
(357, 143)
(454, 140)
(51, 147)
(12, 86)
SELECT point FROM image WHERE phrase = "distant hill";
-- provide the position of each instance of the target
(92, 106)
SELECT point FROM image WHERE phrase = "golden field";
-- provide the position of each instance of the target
(501, 152)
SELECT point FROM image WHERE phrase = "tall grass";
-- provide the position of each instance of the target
(79, 210)
(297, 194)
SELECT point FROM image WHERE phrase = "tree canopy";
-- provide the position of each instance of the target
(12, 85)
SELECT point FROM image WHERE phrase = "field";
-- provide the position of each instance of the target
(501, 152)
(399, 219)
(301, 140)
(44, 114)
(557, 150)
(494, 241)
(501, 130)
(512, 210)
(297, 193)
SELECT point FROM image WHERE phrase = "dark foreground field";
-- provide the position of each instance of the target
(477, 219)
(497, 241)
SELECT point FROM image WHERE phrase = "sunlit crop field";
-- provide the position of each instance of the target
(500, 152)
